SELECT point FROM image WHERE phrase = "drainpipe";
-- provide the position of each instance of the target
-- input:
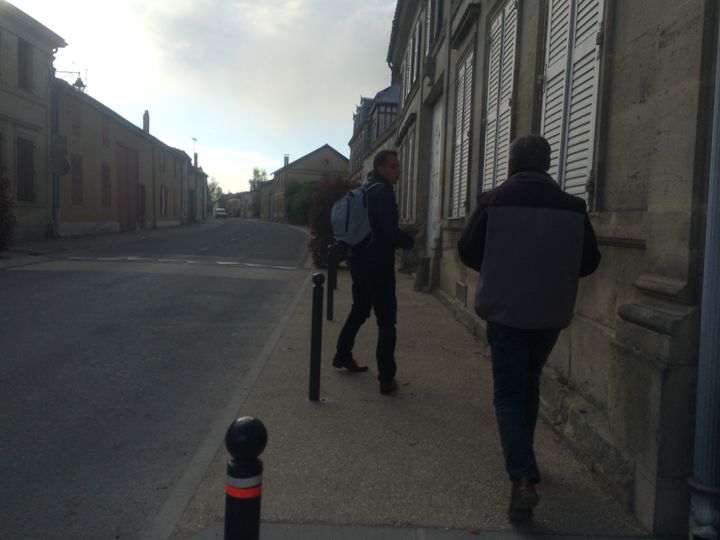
(152, 147)
(705, 502)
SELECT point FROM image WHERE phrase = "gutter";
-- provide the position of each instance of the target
(705, 483)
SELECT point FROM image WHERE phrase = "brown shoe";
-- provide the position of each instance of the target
(349, 364)
(523, 498)
(388, 387)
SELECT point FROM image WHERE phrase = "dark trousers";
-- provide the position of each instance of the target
(373, 288)
(518, 357)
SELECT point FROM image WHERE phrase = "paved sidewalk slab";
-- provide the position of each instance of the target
(425, 460)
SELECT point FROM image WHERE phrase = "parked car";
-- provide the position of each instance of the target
(220, 212)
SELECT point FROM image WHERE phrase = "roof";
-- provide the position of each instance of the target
(394, 31)
(390, 95)
(92, 102)
(40, 30)
(323, 147)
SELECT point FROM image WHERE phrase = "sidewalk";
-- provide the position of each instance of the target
(424, 464)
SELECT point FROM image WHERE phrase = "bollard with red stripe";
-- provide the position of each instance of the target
(245, 440)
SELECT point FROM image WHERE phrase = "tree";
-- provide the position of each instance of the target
(214, 189)
(259, 177)
(7, 211)
(321, 235)
(299, 197)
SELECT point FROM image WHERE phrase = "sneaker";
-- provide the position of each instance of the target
(523, 498)
(349, 364)
(388, 387)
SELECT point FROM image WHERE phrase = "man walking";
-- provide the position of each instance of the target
(531, 242)
(372, 267)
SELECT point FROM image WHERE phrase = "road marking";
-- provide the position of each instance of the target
(204, 249)
(226, 262)
(82, 258)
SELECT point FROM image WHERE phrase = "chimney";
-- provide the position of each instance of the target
(195, 160)
(287, 159)
(146, 122)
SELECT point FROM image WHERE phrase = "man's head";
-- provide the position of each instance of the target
(387, 165)
(529, 153)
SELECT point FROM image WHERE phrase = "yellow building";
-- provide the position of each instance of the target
(120, 178)
(27, 50)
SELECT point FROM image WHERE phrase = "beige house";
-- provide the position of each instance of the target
(27, 50)
(321, 164)
(624, 93)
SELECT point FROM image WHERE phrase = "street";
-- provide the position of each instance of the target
(116, 355)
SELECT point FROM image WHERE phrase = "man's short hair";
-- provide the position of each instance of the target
(529, 153)
(381, 157)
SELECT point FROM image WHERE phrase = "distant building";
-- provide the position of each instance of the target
(321, 164)
(27, 51)
(373, 130)
(121, 178)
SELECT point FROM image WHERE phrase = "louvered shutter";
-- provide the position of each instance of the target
(462, 137)
(571, 90)
(553, 111)
(503, 38)
(583, 97)
(457, 165)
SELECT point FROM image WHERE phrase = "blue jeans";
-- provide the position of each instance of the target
(518, 357)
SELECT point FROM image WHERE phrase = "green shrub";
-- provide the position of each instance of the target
(299, 200)
(7, 211)
(321, 234)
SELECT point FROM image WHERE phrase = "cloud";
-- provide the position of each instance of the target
(250, 79)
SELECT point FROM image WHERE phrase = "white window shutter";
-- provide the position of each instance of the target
(465, 150)
(571, 90)
(556, 58)
(457, 165)
(583, 97)
(461, 165)
(503, 39)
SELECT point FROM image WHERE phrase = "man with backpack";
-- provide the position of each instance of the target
(372, 268)
(531, 242)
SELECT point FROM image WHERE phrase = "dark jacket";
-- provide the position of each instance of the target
(531, 242)
(386, 234)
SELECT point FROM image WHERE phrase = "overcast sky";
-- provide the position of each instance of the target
(251, 80)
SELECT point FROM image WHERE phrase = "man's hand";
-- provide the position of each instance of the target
(414, 230)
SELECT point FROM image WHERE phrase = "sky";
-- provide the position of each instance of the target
(251, 80)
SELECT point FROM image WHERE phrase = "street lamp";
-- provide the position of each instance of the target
(78, 85)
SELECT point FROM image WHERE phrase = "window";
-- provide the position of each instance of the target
(162, 161)
(174, 202)
(571, 88)
(76, 179)
(76, 118)
(461, 163)
(25, 169)
(408, 169)
(163, 201)
(175, 164)
(106, 185)
(433, 22)
(25, 65)
(106, 133)
(501, 72)
(410, 66)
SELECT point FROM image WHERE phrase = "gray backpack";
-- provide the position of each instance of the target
(349, 216)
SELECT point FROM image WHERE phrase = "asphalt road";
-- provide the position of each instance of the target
(116, 355)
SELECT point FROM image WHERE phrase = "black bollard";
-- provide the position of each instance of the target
(316, 336)
(333, 255)
(245, 440)
(332, 279)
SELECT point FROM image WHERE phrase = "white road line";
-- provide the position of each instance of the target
(226, 262)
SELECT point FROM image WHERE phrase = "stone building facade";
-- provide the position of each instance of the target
(623, 91)
(27, 50)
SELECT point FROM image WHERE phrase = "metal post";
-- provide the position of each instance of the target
(332, 280)
(705, 501)
(316, 336)
(245, 440)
